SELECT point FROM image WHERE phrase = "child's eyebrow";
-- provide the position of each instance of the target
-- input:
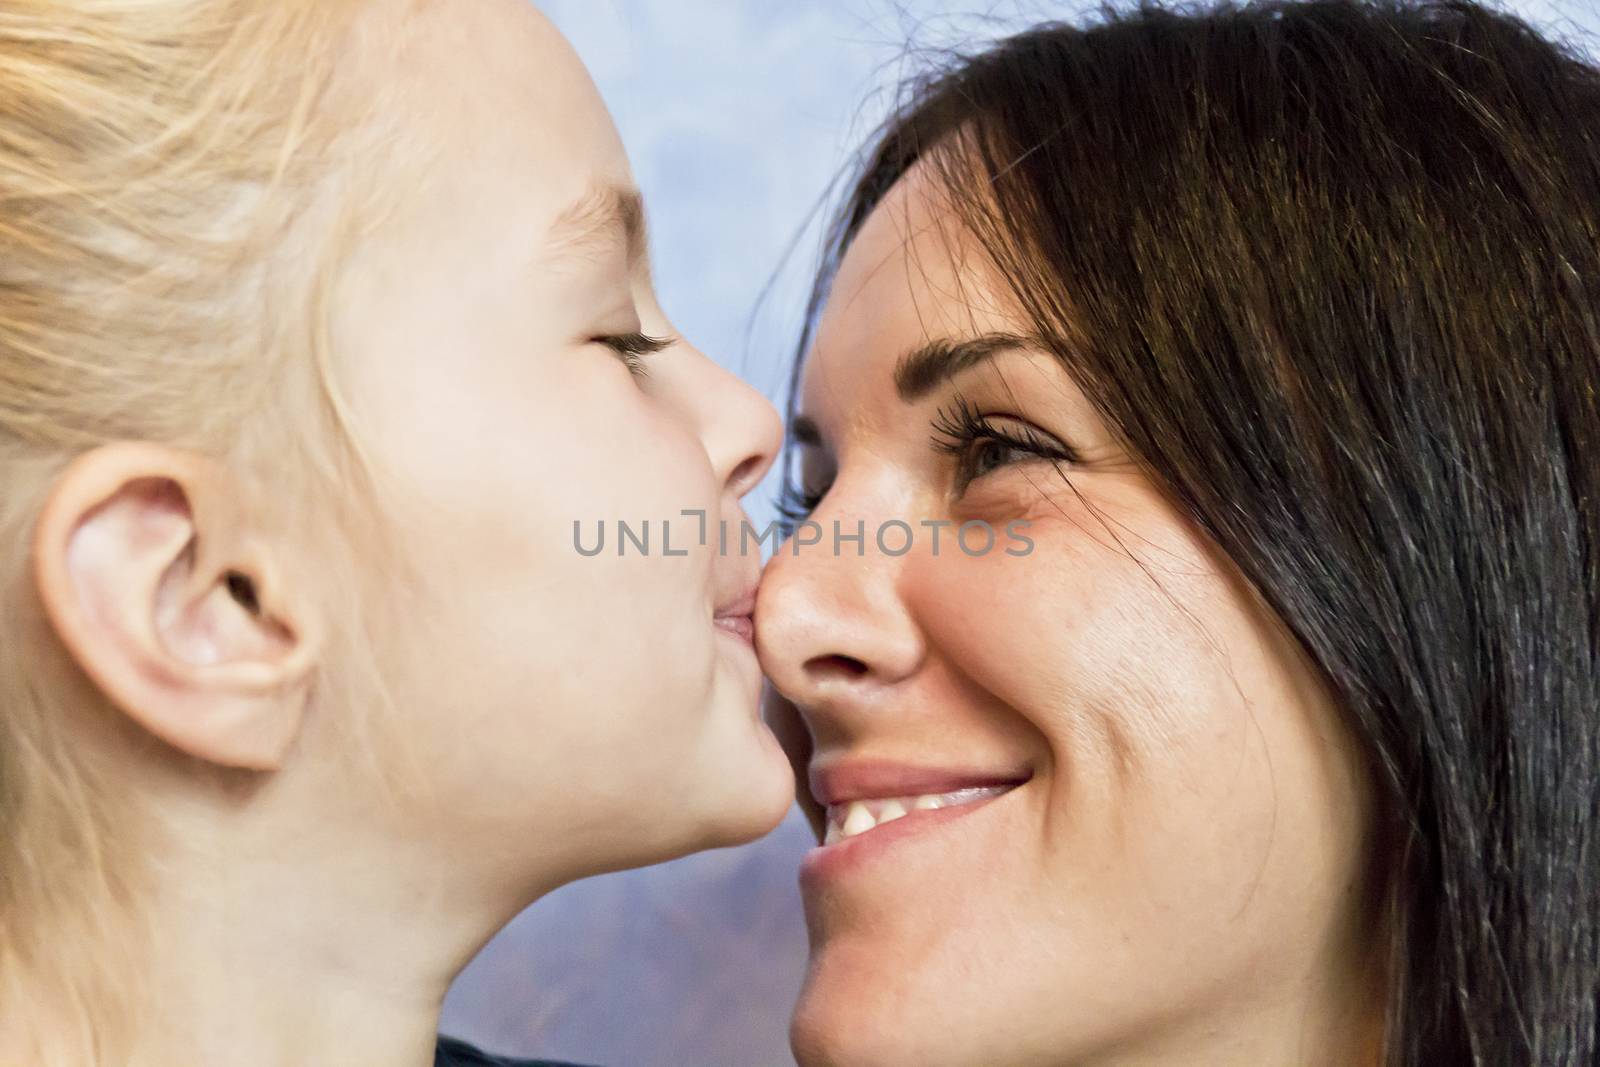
(601, 218)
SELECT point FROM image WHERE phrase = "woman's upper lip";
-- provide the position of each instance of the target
(841, 781)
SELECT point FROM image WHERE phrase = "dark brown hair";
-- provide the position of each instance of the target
(1332, 272)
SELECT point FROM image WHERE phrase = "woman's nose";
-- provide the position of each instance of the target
(831, 627)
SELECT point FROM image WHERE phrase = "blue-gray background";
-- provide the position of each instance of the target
(737, 114)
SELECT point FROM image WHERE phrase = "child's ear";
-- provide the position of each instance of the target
(150, 572)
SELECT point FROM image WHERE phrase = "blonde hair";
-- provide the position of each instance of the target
(170, 216)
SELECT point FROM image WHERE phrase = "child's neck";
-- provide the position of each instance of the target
(261, 956)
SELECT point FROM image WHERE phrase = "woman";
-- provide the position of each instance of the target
(1272, 333)
(322, 324)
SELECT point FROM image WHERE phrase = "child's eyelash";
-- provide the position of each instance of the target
(633, 347)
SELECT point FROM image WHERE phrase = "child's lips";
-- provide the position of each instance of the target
(741, 626)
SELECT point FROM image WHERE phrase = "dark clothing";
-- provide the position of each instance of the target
(453, 1053)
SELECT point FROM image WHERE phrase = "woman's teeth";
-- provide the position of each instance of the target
(857, 817)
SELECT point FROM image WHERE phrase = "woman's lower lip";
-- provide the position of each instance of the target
(742, 627)
(827, 864)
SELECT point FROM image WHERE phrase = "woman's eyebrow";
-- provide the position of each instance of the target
(921, 370)
(600, 219)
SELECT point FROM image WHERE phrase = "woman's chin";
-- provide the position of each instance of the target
(823, 1031)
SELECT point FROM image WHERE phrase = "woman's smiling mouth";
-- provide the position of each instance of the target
(860, 816)
(872, 805)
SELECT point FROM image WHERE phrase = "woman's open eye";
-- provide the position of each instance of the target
(632, 348)
(795, 505)
(983, 443)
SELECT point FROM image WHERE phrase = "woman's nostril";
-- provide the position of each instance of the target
(839, 665)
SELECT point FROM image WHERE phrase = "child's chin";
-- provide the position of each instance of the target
(757, 809)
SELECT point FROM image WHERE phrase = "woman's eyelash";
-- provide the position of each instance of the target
(795, 505)
(962, 431)
(633, 347)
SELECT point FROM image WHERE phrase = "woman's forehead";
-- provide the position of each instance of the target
(913, 276)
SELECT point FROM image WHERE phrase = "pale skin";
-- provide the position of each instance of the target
(1178, 872)
(306, 912)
